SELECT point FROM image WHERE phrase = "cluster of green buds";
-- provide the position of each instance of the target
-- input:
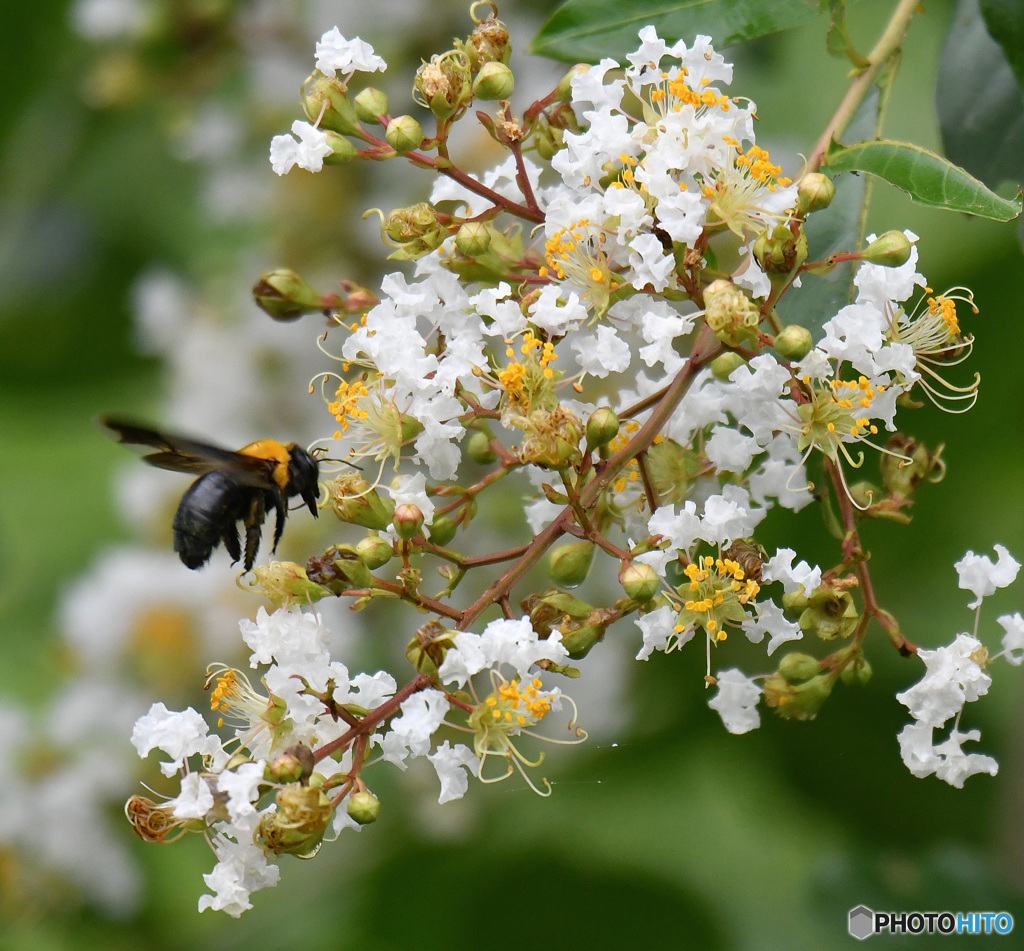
(904, 466)
(829, 611)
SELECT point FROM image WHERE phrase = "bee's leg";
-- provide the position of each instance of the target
(254, 526)
(231, 543)
(281, 513)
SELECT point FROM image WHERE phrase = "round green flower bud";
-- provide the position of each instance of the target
(724, 364)
(564, 88)
(404, 134)
(427, 649)
(890, 250)
(363, 807)
(602, 427)
(286, 296)
(353, 500)
(639, 580)
(864, 493)
(340, 114)
(286, 582)
(494, 81)
(408, 520)
(794, 342)
(569, 564)
(473, 239)
(292, 766)
(856, 673)
(371, 104)
(815, 192)
(796, 668)
(479, 448)
(342, 149)
(805, 700)
(374, 551)
(442, 530)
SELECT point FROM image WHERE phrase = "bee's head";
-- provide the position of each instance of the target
(303, 477)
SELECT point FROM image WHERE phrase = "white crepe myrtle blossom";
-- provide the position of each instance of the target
(306, 147)
(953, 676)
(981, 577)
(179, 734)
(513, 706)
(335, 54)
(736, 701)
(1013, 639)
(956, 675)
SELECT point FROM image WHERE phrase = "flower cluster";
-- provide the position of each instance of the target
(956, 675)
(596, 326)
(292, 770)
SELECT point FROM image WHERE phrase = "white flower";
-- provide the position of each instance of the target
(451, 763)
(657, 627)
(308, 149)
(979, 576)
(1013, 640)
(952, 678)
(335, 54)
(179, 734)
(195, 799)
(504, 641)
(731, 450)
(601, 351)
(288, 636)
(100, 20)
(946, 760)
(422, 714)
(955, 765)
(780, 568)
(879, 285)
(681, 529)
(651, 264)
(771, 619)
(736, 701)
(242, 787)
(242, 869)
(729, 516)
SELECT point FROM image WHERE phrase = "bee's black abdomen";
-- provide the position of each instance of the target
(212, 503)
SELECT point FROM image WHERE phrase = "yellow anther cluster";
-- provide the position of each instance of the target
(757, 163)
(712, 581)
(518, 704)
(344, 407)
(945, 307)
(847, 394)
(541, 353)
(225, 690)
(683, 95)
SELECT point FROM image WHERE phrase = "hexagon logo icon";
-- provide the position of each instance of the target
(861, 922)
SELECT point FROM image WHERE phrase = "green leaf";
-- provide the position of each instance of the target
(1005, 22)
(979, 101)
(584, 31)
(928, 178)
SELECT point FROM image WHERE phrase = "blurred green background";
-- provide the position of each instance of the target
(665, 829)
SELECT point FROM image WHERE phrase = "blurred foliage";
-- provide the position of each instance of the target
(677, 830)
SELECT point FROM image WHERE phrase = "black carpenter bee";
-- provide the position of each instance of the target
(232, 487)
